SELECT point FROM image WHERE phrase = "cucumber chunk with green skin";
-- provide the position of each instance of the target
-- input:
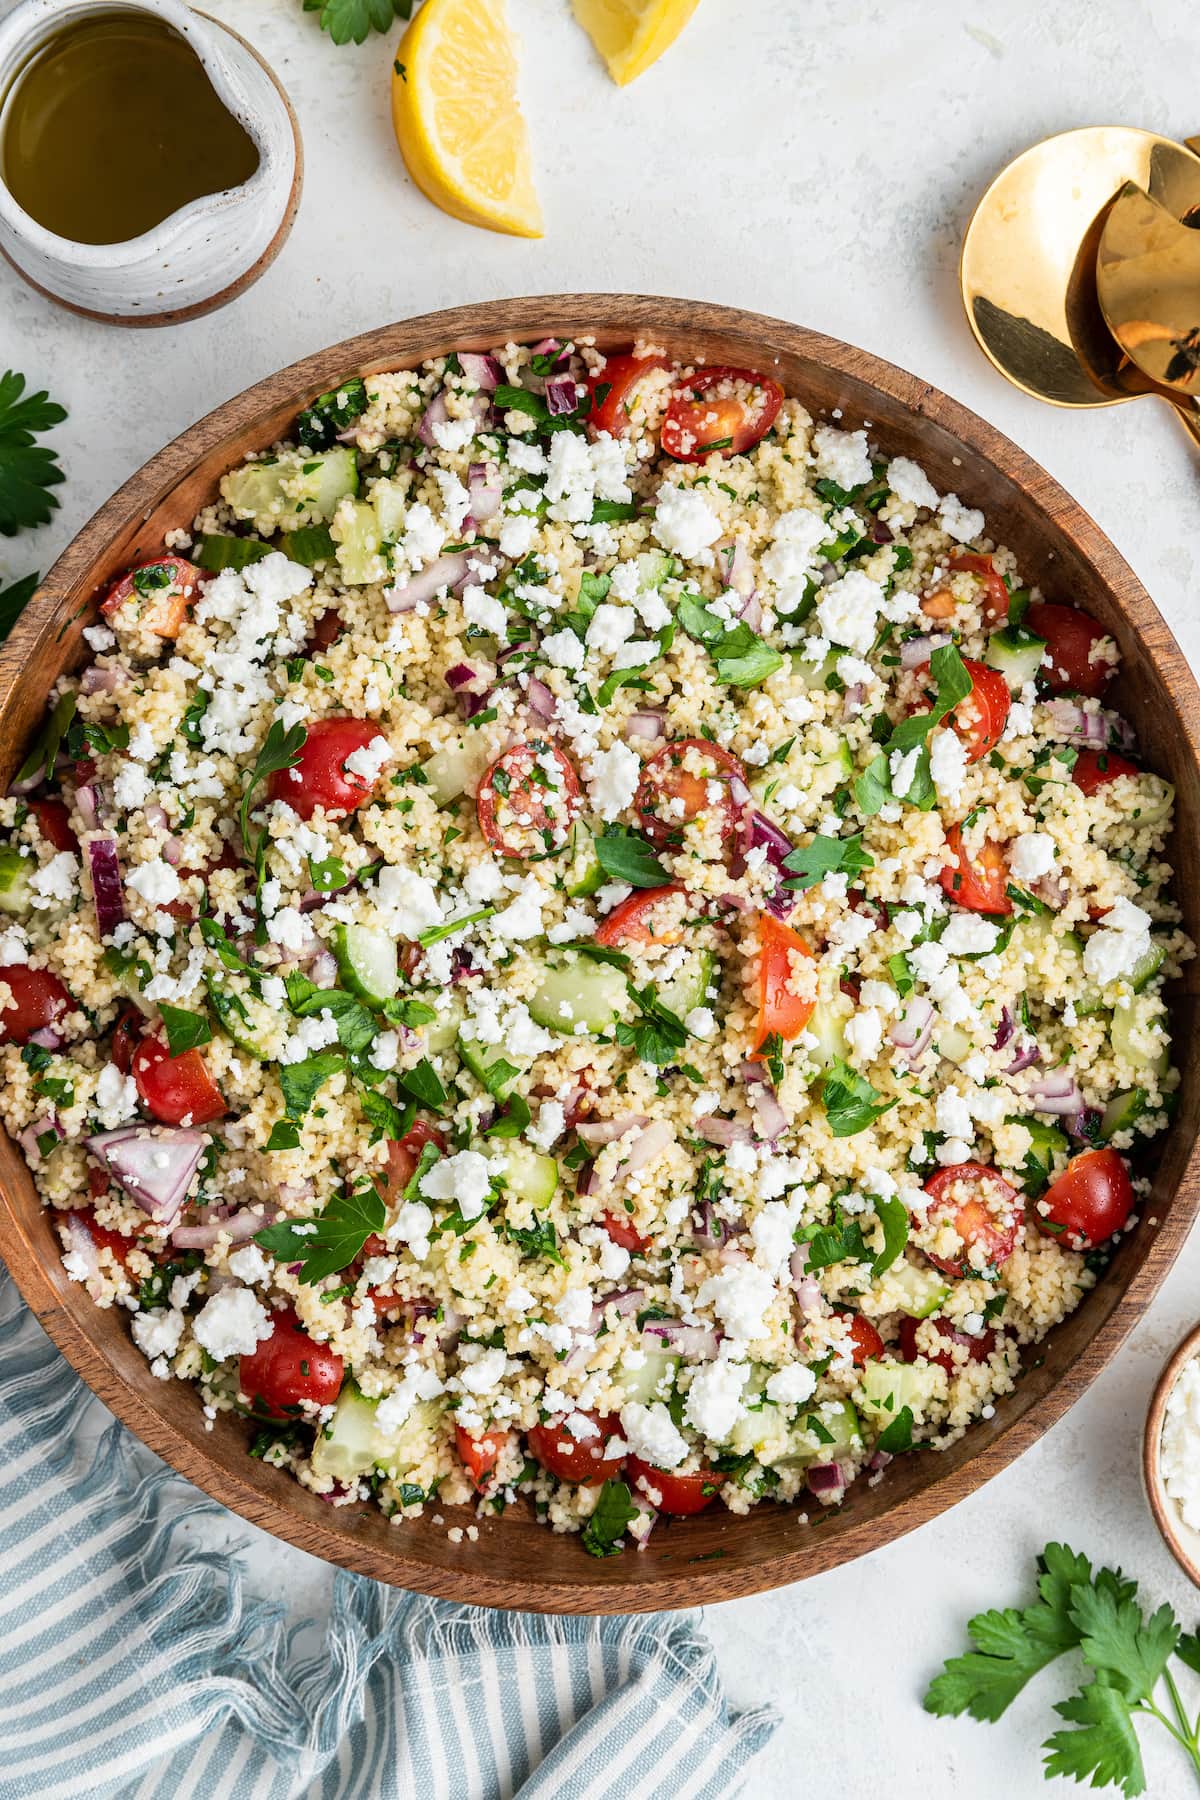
(348, 1443)
(651, 1379)
(654, 567)
(529, 1175)
(689, 988)
(1017, 655)
(398, 1452)
(256, 491)
(455, 769)
(1156, 797)
(321, 482)
(367, 963)
(578, 991)
(1133, 1033)
(919, 1291)
(1122, 1111)
(218, 551)
(584, 874)
(440, 1034)
(245, 1019)
(308, 545)
(391, 504)
(480, 1059)
(887, 1387)
(355, 531)
(16, 873)
(1147, 967)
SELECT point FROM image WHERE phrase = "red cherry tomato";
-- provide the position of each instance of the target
(479, 1455)
(185, 910)
(403, 1156)
(101, 1236)
(719, 409)
(175, 1088)
(669, 795)
(54, 824)
(127, 1035)
(289, 1367)
(319, 776)
(38, 999)
(979, 720)
(611, 392)
(984, 1211)
(526, 808)
(978, 1349)
(679, 1495)
(624, 1233)
(865, 1341)
(980, 885)
(631, 922)
(1092, 1198)
(98, 1182)
(995, 594)
(577, 1459)
(167, 588)
(780, 1011)
(326, 630)
(1094, 769)
(1070, 636)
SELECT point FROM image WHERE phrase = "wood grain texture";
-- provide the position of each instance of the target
(713, 1556)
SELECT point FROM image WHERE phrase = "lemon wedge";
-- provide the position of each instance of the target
(457, 119)
(632, 34)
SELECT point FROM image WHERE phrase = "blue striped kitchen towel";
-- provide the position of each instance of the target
(133, 1665)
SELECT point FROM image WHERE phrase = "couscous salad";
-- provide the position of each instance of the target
(583, 936)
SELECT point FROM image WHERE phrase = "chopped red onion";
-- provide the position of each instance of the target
(239, 1228)
(737, 572)
(156, 818)
(485, 489)
(28, 1139)
(606, 1131)
(1071, 723)
(471, 703)
(1056, 1092)
(99, 681)
(648, 725)
(915, 652)
(914, 1028)
(826, 1480)
(447, 572)
(585, 1180)
(435, 414)
(881, 531)
(154, 1165)
(1027, 1054)
(624, 1301)
(879, 1460)
(708, 1231)
(87, 799)
(852, 700)
(809, 1299)
(484, 371)
(1004, 1030)
(697, 1341)
(1052, 890)
(769, 1116)
(642, 1523)
(561, 396)
(547, 346)
(541, 701)
(81, 1243)
(46, 1038)
(1084, 1124)
(107, 897)
(645, 1147)
(759, 832)
(723, 1131)
(752, 613)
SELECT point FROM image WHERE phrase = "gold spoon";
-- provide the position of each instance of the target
(1029, 259)
(1148, 282)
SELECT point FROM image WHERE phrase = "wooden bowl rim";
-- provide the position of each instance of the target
(1162, 1507)
(616, 318)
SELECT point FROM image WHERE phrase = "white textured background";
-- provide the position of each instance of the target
(816, 159)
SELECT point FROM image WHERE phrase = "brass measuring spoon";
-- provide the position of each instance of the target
(1028, 268)
(1148, 282)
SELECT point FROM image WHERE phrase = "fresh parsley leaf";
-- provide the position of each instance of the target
(429, 1155)
(541, 1239)
(602, 953)
(613, 1512)
(873, 788)
(896, 1435)
(1104, 1749)
(301, 1082)
(216, 939)
(42, 758)
(851, 1103)
(512, 1121)
(423, 1084)
(658, 1034)
(843, 1242)
(328, 875)
(341, 1231)
(28, 470)
(1045, 1143)
(953, 683)
(1119, 1643)
(741, 658)
(408, 1012)
(626, 856)
(13, 600)
(826, 856)
(319, 424)
(387, 1120)
(185, 1030)
(893, 1217)
(285, 1135)
(901, 974)
(281, 750)
(356, 1027)
(436, 933)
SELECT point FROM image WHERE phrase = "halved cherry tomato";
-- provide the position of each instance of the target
(1092, 1198)
(719, 409)
(127, 1035)
(978, 1349)
(780, 1011)
(630, 923)
(403, 1156)
(980, 885)
(624, 1233)
(995, 594)
(98, 1182)
(167, 587)
(319, 776)
(175, 1088)
(979, 720)
(38, 999)
(577, 1459)
(326, 630)
(289, 1367)
(865, 1341)
(670, 796)
(679, 1495)
(611, 392)
(524, 809)
(1094, 769)
(985, 1214)
(1070, 636)
(479, 1455)
(101, 1235)
(54, 824)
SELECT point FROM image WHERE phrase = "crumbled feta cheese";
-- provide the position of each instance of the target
(963, 523)
(116, 1097)
(714, 1400)
(651, 1434)
(1121, 942)
(740, 1297)
(864, 1034)
(841, 456)
(701, 1022)
(969, 935)
(250, 1265)
(156, 882)
(610, 627)
(909, 482)
(409, 901)
(368, 763)
(684, 522)
(464, 1178)
(234, 1322)
(480, 608)
(1031, 855)
(612, 778)
(551, 1123)
(791, 1386)
(947, 764)
(412, 1226)
(848, 610)
(416, 1384)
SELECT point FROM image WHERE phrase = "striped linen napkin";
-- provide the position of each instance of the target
(133, 1665)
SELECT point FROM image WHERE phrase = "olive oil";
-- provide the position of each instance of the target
(114, 125)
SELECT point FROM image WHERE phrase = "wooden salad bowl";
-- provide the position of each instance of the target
(713, 1556)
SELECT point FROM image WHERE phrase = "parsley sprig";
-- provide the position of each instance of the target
(14, 599)
(330, 1242)
(1098, 1615)
(351, 21)
(873, 788)
(28, 470)
(281, 750)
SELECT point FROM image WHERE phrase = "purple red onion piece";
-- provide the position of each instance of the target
(239, 1228)
(446, 573)
(594, 1132)
(915, 652)
(107, 895)
(759, 832)
(484, 371)
(541, 701)
(723, 1131)
(647, 725)
(561, 395)
(827, 1480)
(154, 1165)
(697, 1341)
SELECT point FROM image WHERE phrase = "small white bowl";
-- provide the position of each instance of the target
(208, 251)
(1180, 1539)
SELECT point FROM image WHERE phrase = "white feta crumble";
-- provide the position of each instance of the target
(947, 764)
(234, 1322)
(841, 456)
(464, 1178)
(909, 482)
(684, 522)
(791, 1386)
(963, 523)
(409, 900)
(368, 763)
(740, 1296)
(157, 1333)
(714, 1400)
(1121, 942)
(967, 934)
(1031, 855)
(651, 1434)
(156, 882)
(848, 610)
(612, 778)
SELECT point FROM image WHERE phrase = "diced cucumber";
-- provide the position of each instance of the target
(821, 1432)
(919, 1290)
(1134, 1033)
(889, 1386)
(390, 501)
(347, 1445)
(1017, 654)
(308, 545)
(440, 1033)
(584, 874)
(479, 1058)
(367, 962)
(1156, 797)
(219, 551)
(689, 988)
(1147, 967)
(456, 768)
(255, 491)
(16, 873)
(321, 482)
(355, 531)
(407, 1448)
(827, 1024)
(529, 1175)
(1122, 1111)
(578, 991)
(651, 1379)
(654, 567)
(1055, 971)
(246, 1020)
(812, 674)
(954, 1043)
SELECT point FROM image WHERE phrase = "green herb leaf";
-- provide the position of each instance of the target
(27, 469)
(436, 933)
(386, 1118)
(356, 1027)
(540, 1240)
(301, 1082)
(341, 1231)
(281, 750)
(613, 1512)
(851, 1103)
(512, 1121)
(896, 1436)
(13, 600)
(827, 856)
(741, 658)
(659, 1034)
(893, 1216)
(185, 1030)
(319, 424)
(285, 1135)
(626, 856)
(1104, 1749)
(423, 1084)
